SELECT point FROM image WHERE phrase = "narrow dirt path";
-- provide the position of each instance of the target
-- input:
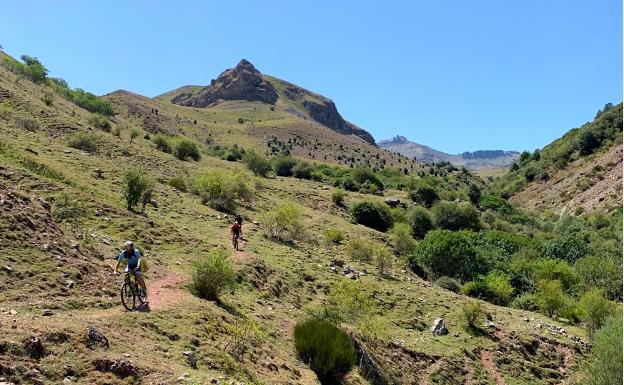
(469, 372)
(427, 373)
(166, 291)
(490, 366)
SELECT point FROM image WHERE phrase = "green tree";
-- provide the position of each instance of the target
(604, 366)
(600, 272)
(420, 220)
(456, 216)
(474, 194)
(595, 309)
(568, 247)
(138, 187)
(447, 253)
(184, 148)
(422, 193)
(550, 297)
(372, 214)
(34, 69)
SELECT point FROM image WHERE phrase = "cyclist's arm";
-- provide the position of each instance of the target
(118, 262)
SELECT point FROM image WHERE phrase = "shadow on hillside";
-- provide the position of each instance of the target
(228, 308)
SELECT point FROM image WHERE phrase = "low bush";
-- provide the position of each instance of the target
(302, 170)
(85, 141)
(420, 220)
(223, 190)
(212, 275)
(604, 365)
(472, 311)
(283, 166)
(67, 208)
(402, 240)
(333, 236)
(526, 301)
(360, 249)
(384, 259)
(594, 309)
(162, 143)
(258, 164)
(26, 124)
(422, 193)
(366, 176)
(337, 197)
(178, 184)
(372, 214)
(494, 287)
(100, 122)
(138, 187)
(284, 222)
(456, 216)
(444, 252)
(328, 350)
(349, 301)
(550, 297)
(184, 148)
(448, 283)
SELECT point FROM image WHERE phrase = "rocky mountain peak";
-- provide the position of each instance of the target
(243, 82)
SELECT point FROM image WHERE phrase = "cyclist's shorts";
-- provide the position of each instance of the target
(137, 270)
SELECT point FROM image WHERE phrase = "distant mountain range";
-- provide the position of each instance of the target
(481, 159)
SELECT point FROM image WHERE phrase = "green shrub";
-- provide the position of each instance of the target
(85, 141)
(526, 301)
(184, 148)
(553, 269)
(602, 273)
(258, 164)
(67, 208)
(48, 98)
(420, 220)
(178, 184)
(422, 193)
(494, 287)
(349, 301)
(283, 166)
(472, 311)
(302, 170)
(402, 239)
(89, 101)
(448, 253)
(212, 275)
(162, 143)
(284, 222)
(328, 350)
(384, 259)
(550, 297)
(604, 366)
(337, 197)
(222, 190)
(365, 175)
(448, 283)
(32, 68)
(360, 249)
(594, 309)
(138, 187)
(568, 247)
(333, 236)
(100, 122)
(372, 214)
(474, 194)
(456, 216)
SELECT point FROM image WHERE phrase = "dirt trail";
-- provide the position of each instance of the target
(490, 366)
(166, 291)
(431, 369)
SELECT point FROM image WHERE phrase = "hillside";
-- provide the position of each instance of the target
(380, 260)
(477, 160)
(579, 172)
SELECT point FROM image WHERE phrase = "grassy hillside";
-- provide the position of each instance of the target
(63, 173)
(579, 172)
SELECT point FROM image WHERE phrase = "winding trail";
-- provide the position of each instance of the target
(430, 370)
(490, 366)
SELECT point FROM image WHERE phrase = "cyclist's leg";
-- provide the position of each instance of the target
(139, 277)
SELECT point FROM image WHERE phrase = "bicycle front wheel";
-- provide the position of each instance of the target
(128, 298)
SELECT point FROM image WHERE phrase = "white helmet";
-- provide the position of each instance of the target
(128, 245)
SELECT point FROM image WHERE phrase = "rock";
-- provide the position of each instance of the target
(191, 359)
(393, 202)
(256, 223)
(95, 337)
(31, 150)
(153, 202)
(98, 174)
(7, 269)
(439, 328)
(122, 368)
(271, 366)
(34, 348)
(336, 262)
(47, 312)
(67, 381)
(13, 312)
(99, 213)
(490, 324)
(69, 284)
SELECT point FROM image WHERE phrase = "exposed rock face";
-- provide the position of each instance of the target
(243, 82)
(439, 328)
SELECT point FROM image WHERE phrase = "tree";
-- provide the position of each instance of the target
(602, 273)
(447, 253)
(595, 309)
(474, 194)
(138, 187)
(568, 247)
(588, 142)
(34, 70)
(372, 214)
(456, 216)
(420, 220)
(550, 297)
(604, 366)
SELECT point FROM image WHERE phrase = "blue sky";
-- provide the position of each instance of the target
(455, 75)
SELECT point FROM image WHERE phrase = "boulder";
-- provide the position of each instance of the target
(95, 337)
(439, 328)
(34, 348)
(121, 368)
(393, 202)
(191, 359)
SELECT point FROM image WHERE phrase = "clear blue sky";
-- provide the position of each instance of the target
(456, 75)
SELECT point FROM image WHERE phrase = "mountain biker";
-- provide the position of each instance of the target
(239, 219)
(236, 231)
(133, 257)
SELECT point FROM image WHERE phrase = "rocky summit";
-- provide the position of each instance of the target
(243, 82)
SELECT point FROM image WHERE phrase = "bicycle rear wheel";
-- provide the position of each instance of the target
(128, 298)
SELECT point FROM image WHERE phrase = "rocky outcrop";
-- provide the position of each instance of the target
(243, 82)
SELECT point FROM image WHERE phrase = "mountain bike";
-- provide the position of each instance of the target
(235, 242)
(131, 292)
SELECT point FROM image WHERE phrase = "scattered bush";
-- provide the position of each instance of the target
(604, 366)
(456, 216)
(85, 141)
(422, 193)
(162, 143)
(333, 236)
(138, 187)
(360, 249)
(594, 309)
(222, 190)
(337, 197)
(550, 297)
(402, 240)
(349, 301)
(372, 214)
(473, 311)
(178, 184)
(494, 287)
(365, 175)
(258, 164)
(212, 275)
(328, 350)
(448, 253)
(420, 220)
(384, 259)
(67, 208)
(184, 148)
(283, 166)
(100, 122)
(302, 170)
(526, 301)
(448, 283)
(284, 222)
